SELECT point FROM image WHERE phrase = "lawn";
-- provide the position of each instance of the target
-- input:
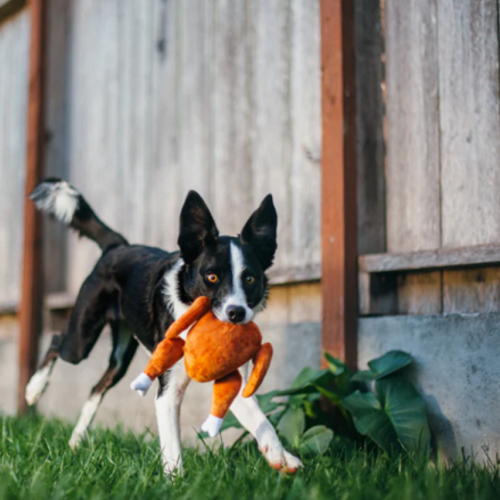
(35, 462)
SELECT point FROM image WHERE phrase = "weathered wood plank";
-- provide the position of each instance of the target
(304, 222)
(413, 198)
(470, 130)
(419, 293)
(435, 259)
(471, 290)
(56, 148)
(14, 60)
(196, 57)
(271, 119)
(231, 88)
(95, 127)
(369, 128)
(164, 198)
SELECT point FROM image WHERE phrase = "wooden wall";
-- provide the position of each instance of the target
(14, 54)
(435, 68)
(149, 100)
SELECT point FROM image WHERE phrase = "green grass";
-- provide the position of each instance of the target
(35, 462)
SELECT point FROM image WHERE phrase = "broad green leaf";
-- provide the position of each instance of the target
(406, 410)
(292, 425)
(336, 366)
(316, 440)
(371, 420)
(308, 376)
(390, 362)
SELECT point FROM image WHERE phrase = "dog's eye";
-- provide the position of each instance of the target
(212, 278)
(250, 280)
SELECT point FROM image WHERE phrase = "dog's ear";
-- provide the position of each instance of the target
(197, 227)
(260, 232)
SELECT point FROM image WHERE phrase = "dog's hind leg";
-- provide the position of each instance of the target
(40, 380)
(124, 347)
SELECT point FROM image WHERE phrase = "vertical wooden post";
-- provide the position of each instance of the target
(30, 317)
(338, 163)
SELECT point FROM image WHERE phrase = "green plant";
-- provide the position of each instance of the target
(321, 402)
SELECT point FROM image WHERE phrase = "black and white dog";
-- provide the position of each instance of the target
(139, 291)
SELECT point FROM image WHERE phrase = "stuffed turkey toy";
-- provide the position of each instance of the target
(213, 351)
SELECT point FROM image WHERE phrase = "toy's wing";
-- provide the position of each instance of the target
(197, 309)
(261, 363)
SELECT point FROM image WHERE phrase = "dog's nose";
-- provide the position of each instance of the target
(236, 314)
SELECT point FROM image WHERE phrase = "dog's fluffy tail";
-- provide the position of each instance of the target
(61, 200)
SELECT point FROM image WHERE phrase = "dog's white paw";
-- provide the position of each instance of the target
(278, 458)
(141, 384)
(75, 441)
(37, 385)
(212, 425)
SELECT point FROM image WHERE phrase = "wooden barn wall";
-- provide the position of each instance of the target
(429, 142)
(150, 99)
(14, 60)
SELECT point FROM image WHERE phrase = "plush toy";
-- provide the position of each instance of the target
(213, 351)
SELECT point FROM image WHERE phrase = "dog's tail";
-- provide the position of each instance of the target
(61, 200)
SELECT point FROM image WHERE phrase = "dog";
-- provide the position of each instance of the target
(139, 291)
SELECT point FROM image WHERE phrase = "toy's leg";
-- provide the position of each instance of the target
(166, 354)
(261, 363)
(225, 390)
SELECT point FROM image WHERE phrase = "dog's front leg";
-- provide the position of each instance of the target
(168, 401)
(250, 416)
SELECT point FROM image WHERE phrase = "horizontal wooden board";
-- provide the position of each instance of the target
(430, 259)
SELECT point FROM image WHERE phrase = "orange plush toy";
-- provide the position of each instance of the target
(213, 351)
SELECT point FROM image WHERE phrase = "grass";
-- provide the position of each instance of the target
(35, 462)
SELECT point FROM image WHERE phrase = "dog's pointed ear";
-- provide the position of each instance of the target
(260, 232)
(197, 228)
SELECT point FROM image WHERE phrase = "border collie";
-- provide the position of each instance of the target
(139, 291)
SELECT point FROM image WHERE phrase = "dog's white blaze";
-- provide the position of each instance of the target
(37, 384)
(58, 199)
(171, 291)
(86, 416)
(237, 297)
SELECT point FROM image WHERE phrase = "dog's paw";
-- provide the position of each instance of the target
(75, 441)
(212, 425)
(141, 384)
(37, 385)
(278, 458)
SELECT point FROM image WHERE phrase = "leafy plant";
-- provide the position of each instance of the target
(321, 402)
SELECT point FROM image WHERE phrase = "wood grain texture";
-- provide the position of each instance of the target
(56, 146)
(14, 63)
(370, 153)
(339, 278)
(471, 290)
(304, 223)
(231, 87)
(435, 259)
(30, 313)
(419, 293)
(412, 182)
(470, 128)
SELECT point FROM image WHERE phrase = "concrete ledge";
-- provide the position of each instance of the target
(457, 369)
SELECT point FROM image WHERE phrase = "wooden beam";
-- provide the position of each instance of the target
(10, 7)
(339, 255)
(443, 258)
(30, 318)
